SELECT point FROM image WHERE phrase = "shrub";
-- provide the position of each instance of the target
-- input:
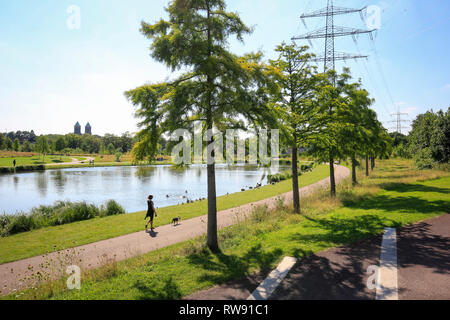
(19, 223)
(112, 208)
(59, 214)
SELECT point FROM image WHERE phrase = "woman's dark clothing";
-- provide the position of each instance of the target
(150, 211)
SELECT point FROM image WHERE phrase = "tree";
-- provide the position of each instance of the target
(9, 143)
(26, 147)
(60, 144)
(299, 115)
(2, 142)
(326, 144)
(217, 89)
(42, 146)
(429, 140)
(16, 144)
(440, 140)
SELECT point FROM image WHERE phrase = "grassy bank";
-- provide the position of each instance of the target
(61, 213)
(394, 196)
(33, 160)
(45, 240)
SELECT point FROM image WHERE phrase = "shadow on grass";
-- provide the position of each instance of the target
(398, 204)
(222, 267)
(338, 231)
(407, 187)
(165, 289)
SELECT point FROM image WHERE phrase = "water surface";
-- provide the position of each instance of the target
(129, 186)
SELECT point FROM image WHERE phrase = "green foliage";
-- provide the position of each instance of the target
(27, 147)
(429, 140)
(60, 144)
(16, 144)
(400, 151)
(42, 145)
(2, 142)
(118, 155)
(8, 143)
(424, 159)
(111, 208)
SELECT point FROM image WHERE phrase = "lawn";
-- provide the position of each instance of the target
(25, 245)
(395, 195)
(33, 160)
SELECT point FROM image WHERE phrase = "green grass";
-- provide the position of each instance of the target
(393, 197)
(45, 240)
(35, 160)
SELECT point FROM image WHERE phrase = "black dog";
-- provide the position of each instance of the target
(176, 221)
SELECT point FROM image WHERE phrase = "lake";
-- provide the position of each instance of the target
(129, 186)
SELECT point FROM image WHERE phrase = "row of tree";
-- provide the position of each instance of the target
(324, 112)
(108, 144)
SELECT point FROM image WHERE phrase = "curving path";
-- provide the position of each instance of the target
(74, 161)
(23, 273)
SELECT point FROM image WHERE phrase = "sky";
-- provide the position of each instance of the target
(63, 61)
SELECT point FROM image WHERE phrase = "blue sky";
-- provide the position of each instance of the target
(51, 76)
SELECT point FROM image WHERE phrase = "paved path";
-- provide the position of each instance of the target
(124, 247)
(74, 161)
(423, 270)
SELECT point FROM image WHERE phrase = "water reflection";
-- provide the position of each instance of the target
(130, 186)
(42, 183)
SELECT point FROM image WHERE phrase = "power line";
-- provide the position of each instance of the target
(330, 32)
(399, 121)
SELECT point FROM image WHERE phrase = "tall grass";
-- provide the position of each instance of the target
(62, 212)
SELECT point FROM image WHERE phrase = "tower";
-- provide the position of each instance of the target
(77, 128)
(330, 32)
(88, 129)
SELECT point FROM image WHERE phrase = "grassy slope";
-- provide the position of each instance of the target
(394, 196)
(42, 241)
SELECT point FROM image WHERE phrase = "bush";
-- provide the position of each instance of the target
(112, 208)
(424, 159)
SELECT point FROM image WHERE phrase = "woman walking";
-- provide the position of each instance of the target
(151, 212)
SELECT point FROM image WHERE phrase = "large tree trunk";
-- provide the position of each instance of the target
(212, 210)
(367, 166)
(212, 195)
(295, 188)
(354, 180)
(332, 178)
(212, 241)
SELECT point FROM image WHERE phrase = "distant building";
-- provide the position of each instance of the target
(88, 129)
(77, 128)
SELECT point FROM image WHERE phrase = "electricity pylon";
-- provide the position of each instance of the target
(399, 121)
(330, 32)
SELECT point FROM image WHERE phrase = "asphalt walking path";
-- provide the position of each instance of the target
(421, 270)
(22, 274)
